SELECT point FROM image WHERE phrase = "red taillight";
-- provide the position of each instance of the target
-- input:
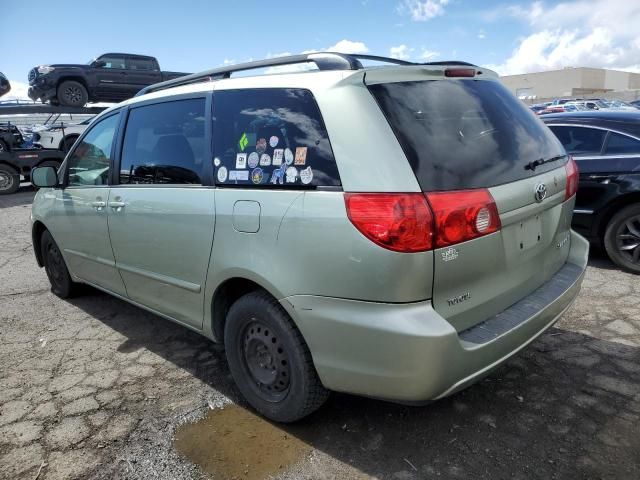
(463, 215)
(398, 221)
(459, 72)
(572, 178)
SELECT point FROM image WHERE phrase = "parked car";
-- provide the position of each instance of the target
(635, 103)
(606, 146)
(5, 86)
(59, 136)
(395, 232)
(10, 137)
(111, 77)
(619, 105)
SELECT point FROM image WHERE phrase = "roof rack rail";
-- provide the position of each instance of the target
(323, 60)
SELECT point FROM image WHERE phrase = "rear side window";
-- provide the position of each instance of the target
(271, 138)
(621, 145)
(113, 61)
(140, 64)
(164, 143)
(460, 134)
(580, 140)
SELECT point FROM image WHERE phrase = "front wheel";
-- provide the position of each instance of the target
(3, 146)
(72, 94)
(622, 238)
(56, 268)
(270, 361)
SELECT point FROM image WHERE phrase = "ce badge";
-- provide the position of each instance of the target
(540, 192)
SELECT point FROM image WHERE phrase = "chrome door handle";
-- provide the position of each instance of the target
(117, 205)
(98, 205)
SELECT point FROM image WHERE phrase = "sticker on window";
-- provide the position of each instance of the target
(278, 155)
(277, 176)
(222, 174)
(265, 160)
(301, 155)
(239, 175)
(306, 175)
(241, 160)
(243, 142)
(254, 158)
(288, 156)
(273, 141)
(261, 145)
(257, 175)
(292, 174)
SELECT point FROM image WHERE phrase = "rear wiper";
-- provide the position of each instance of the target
(541, 161)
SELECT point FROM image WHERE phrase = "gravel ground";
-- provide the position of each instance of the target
(96, 388)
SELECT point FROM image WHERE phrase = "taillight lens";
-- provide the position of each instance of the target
(572, 178)
(401, 222)
(463, 215)
(459, 72)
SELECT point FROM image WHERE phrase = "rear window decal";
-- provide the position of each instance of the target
(239, 175)
(241, 160)
(273, 141)
(288, 156)
(222, 174)
(277, 176)
(257, 175)
(278, 155)
(254, 158)
(265, 160)
(243, 142)
(306, 175)
(292, 174)
(261, 145)
(301, 156)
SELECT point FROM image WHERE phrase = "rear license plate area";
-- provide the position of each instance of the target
(529, 233)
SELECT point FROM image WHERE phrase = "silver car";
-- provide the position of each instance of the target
(395, 232)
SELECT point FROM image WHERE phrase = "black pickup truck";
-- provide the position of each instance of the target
(111, 77)
(19, 162)
(5, 86)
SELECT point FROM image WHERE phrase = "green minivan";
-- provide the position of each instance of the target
(370, 226)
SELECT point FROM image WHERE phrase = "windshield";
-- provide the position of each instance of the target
(461, 134)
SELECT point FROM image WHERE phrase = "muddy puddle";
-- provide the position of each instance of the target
(233, 443)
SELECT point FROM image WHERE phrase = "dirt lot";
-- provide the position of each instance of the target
(96, 388)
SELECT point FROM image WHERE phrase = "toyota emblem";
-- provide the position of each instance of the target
(540, 192)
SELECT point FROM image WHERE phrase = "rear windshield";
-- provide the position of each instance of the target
(460, 134)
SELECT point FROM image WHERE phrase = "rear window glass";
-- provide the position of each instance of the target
(460, 134)
(271, 138)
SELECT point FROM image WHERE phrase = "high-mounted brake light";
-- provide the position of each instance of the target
(463, 215)
(459, 72)
(401, 222)
(572, 178)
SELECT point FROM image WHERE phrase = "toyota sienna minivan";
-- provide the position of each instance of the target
(371, 226)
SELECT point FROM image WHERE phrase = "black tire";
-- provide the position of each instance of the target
(67, 142)
(270, 361)
(56, 268)
(622, 238)
(9, 180)
(3, 146)
(72, 94)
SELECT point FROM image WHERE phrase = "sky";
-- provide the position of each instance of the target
(192, 35)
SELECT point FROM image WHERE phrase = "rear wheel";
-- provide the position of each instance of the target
(56, 268)
(270, 361)
(9, 180)
(72, 94)
(622, 238)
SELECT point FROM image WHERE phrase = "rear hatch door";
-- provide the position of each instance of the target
(472, 133)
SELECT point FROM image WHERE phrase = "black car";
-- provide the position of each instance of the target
(112, 77)
(5, 86)
(606, 146)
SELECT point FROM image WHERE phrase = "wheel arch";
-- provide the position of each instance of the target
(225, 294)
(75, 78)
(37, 230)
(610, 210)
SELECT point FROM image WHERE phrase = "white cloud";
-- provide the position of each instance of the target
(422, 10)
(578, 33)
(348, 46)
(427, 55)
(481, 35)
(401, 52)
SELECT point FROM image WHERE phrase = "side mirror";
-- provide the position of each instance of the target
(99, 63)
(43, 177)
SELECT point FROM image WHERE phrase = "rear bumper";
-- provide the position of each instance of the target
(409, 353)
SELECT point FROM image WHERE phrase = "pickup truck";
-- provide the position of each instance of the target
(5, 86)
(111, 77)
